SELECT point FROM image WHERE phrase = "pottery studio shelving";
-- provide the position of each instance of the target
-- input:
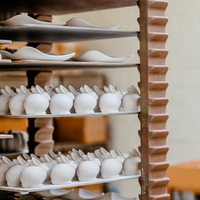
(152, 69)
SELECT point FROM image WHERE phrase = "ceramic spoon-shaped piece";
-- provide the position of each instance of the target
(53, 193)
(114, 196)
(82, 23)
(24, 19)
(30, 53)
(96, 56)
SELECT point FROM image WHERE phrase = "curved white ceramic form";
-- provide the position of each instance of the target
(30, 53)
(52, 193)
(78, 22)
(25, 19)
(114, 196)
(96, 56)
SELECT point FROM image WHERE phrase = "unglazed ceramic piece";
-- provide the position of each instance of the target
(61, 102)
(110, 101)
(112, 166)
(81, 194)
(130, 165)
(38, 102)
(63, 172)
(5, 164)
(89, 168)
(24, 19)
(30, 53)
(77, 22)
(114, 196)
(84, 102)
(34, 174)
(53, 193)
(130, 101)
(16, 103)
(96, 56)
(14, 172)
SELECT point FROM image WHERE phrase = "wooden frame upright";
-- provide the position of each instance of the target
(153, 87)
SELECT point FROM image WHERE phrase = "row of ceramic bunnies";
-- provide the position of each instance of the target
(31, 171)
(60, 100)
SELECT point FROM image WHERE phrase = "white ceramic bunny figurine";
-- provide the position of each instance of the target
(16, 103)
(130, 165)
(86, 101)
(34, 174)
(63, 172)
(4, 102)
(111, 100)
(89, 168)
(38, 102)
(62, 101)
(5, 164)
(14, 172)
(130, 102)
(112, 166)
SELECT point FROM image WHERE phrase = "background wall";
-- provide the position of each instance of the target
(184, 73)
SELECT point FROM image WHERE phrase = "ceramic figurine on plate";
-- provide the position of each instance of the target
(5, 164)
(130, 165)
(38, 102)
(110, 101)
(63, 172)
(14, 172)
(61, 102)
(130, 101)
(89, 168)
(119, 152)
(112, 166)
(16, 103)
(33, 175)
(84, 102)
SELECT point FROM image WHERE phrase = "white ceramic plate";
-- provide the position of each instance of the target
(52, 193)
(114, 196)
(96, 56)
(78, 22)
(30, 53)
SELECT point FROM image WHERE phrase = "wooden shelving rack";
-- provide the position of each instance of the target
(152, 69)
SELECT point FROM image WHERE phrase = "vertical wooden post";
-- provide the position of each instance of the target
(153, 87)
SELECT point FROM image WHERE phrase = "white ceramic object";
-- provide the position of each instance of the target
(99, 93)
(14, 172)
(24, 19)
(30, 53)
(37, 103)
(110, 101)
(89, 168)
(112, 166)
(63, 172)
(84, 102)
(34, 174)
(61, 102)
(4, 102)
(130, 102)
(77, 22)
(81, 194)
(5, 164)
(130, 165)
(114, 196)
(119, 152)
(96, 56)
(52, 193)
(16, 103)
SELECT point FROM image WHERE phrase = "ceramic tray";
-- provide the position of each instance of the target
(30, 53)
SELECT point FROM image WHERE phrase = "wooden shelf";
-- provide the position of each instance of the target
(72, 184)
(33, 65)
(59, 34)
(67, 115)
(55, 7)
(6, 136)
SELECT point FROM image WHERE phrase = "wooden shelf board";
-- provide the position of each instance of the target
(55, 7)
(59, 34)
(6, 136)
(34, 65)
(72, 184)
(67, 115)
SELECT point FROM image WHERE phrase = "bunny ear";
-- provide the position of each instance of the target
(15, 162)
(106, 89)
(48, 158)
(73, 91)
(97, 90)
(135, 153)
(48, 90)
(65, 159)
(119, 90)
(9, 91)
(98, 154)
(52, 154)
(74, 150)
(63, 89)
(90, 156)
(59, 154)
(26, 156)
(39, 89)
(113, 154)
(82, 89)
(134, 90)
(19, 91)
(119, 152)
(81, 153)
(24, 90)
(3, 91)
(103, 151)
(69, 157)
(7, 160)
(42, 159)
(36, 162)
(87, 89)
(74, 156)
(21, 161)
(112, 89)
(34, 156)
